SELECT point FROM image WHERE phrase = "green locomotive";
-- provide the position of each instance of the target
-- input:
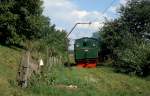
(86, 52)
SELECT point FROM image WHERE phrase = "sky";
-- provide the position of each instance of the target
(65, 13)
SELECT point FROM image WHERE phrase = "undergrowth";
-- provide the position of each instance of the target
(102, 81)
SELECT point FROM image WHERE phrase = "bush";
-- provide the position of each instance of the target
(134, 59)
(127, 38)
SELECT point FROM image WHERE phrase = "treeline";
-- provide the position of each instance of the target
(21, 22)
(126, 40)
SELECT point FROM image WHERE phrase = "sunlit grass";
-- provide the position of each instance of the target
(101, 81)
(95, 82)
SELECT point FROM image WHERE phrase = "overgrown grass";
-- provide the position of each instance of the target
(93, 82)
(9, 58)
(101, 81)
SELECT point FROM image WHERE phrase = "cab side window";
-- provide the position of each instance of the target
(84, 44)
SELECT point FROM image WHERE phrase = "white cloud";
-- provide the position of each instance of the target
(94, 26)
(66, 11)
(80, 14)
(123, 2)
(65, 14)
(115, 8)
(58, 9)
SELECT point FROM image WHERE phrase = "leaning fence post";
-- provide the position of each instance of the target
(26, 70)
(23, 70)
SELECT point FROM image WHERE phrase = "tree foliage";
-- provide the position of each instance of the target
(126, 38)
(22, 21)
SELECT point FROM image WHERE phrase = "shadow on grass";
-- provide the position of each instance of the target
(14, 46)
(66, 64)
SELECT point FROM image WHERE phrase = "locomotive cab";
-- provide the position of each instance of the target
(86, 52)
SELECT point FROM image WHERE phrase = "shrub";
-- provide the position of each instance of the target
(134, 59)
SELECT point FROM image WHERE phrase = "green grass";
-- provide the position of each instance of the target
(8, 69)
(90, 82)
(99, 82)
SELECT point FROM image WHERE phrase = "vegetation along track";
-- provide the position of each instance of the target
(101, 81)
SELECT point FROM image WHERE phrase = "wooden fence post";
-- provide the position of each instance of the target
(23, 70)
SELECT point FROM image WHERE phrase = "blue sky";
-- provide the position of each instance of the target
(91, 5)
(65, 13)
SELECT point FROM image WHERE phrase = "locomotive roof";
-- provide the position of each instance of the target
(86, 38)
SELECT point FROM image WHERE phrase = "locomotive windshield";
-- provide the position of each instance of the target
(84, 44)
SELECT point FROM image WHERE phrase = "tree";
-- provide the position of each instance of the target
(125, 39)
(30, 20)
(136, 15)
(8, 22)
(22, 20)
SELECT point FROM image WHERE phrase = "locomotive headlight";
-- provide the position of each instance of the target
(77, 45)
(94, 45)
(86, 50)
